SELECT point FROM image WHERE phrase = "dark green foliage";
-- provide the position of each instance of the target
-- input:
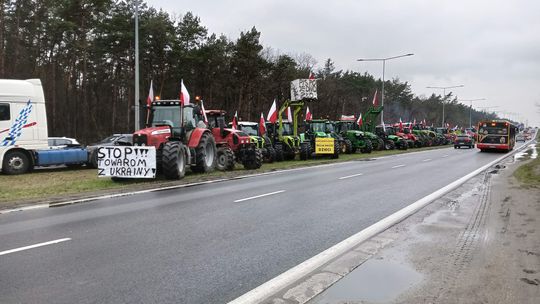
(83, 51)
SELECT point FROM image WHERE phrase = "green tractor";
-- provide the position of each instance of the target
(317, 129)
(391, 140)
(284, 134)
(349, 129)
(262, 141)
(368, 127)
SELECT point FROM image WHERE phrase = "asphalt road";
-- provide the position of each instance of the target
(210, 243)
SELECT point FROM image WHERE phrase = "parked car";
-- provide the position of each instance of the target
(113, 140)
(62, 142)
(520, 137)
(464, 140)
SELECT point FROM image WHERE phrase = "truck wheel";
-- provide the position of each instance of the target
(225, 159)
(336, 149)
(173, 160)
(279, 152)
(305, 150)
(253, 159)
(205, 154)
(15, 162)
(270, 154)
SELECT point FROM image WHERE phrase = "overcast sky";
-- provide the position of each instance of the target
(491, 47)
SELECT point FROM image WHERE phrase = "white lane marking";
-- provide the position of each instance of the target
(398, 166)
(354, 175)
(268, 289)
(257, 196)
(34, 246)
(446, 155)
(427, 159)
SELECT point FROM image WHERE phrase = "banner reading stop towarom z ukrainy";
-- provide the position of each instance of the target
(127, 162)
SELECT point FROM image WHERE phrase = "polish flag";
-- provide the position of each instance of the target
(235, 121)
(311, 76)
(272, 114)
(400, 125)
(359, 121)
(309, 117)
(150, 95)
(184, 95)
(262, 125)
(204, 112)
(289, 114)
(413, 124)
(375, 100)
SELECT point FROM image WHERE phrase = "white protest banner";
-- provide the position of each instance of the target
(127, 161)
(303, 89)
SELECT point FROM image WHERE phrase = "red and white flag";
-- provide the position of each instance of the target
(400, 125)
(262, 125)
(309, 117)
(289, 114)
(311, 76)
(235, 121)
(413, 124)
(424, 122)
(359, 121)
(375, 100)
(184, 95)
(150, 95)
(204, 112)
(272, 114)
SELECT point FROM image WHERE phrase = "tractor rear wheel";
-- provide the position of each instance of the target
(173, 160)
(305, 150)
(279, 152)
(253, 159)
(402, 145)
(205, 154)
(225, 159)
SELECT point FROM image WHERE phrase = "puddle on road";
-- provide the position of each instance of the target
(373, 281)
(530, 152)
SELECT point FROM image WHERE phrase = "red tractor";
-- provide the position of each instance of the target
(232, 145)
(180, 137)
(410, 138)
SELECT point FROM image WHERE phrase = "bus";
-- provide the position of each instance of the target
(497, 135)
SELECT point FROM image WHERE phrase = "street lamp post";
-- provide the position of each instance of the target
(137, 113)
(384, 67)
(470, 108)
(444, 98)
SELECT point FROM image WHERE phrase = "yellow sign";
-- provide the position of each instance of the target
(324, 145)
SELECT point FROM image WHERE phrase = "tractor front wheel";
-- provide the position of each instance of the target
(205, 154)
(173, 160)
(389, 145)
(305, 150)
(368, 146)
(279, 152)
(336, 149)
(253, 159)
(346, 147)
(225, 159)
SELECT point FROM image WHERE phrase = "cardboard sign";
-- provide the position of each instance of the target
(303, 89)
(127, 162)
(324, 145)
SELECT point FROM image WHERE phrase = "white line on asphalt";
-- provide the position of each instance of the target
(257, 196)
(427, 159)
(34, 246)
(354, 175)
(446, 155)
(398, 166)
(264, 291)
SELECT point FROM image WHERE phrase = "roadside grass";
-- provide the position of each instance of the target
(64, 183)
(529, 173)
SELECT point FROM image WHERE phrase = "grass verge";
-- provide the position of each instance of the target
(61, 184)
(528, 174)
